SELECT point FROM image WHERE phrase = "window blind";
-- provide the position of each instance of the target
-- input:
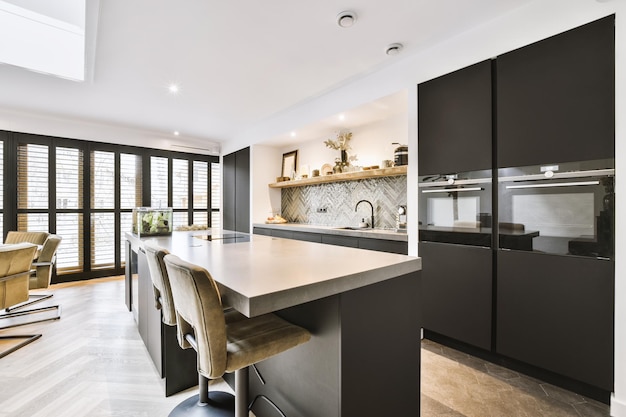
(216, 204)
(32, 177)
(130, 181)
(158, 181)
(180, 183)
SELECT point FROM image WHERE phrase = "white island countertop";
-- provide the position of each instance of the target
(260, 274)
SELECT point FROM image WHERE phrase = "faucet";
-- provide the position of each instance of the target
(371, 206)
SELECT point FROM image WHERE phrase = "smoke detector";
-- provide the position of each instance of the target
(393, 49)
(346, 19)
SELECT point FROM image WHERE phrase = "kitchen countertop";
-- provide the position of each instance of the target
(260, 274)
(386, 234)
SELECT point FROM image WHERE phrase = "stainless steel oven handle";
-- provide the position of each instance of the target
(555, 184)
(452, 190)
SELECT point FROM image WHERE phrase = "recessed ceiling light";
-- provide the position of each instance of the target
(394, 49)
(176, 133)
(293, 134)
(173, 88)
(342, 116)
(346, 19)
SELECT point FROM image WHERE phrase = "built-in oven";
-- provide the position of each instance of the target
(562, 209)
(456, 208)
(456, 247)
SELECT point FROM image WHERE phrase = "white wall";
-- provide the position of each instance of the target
(371, 143)
(265, 162)
(538, 20)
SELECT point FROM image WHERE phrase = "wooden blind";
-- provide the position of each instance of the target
(1, 190)
(32, 177)
(69, 196)
(180, 184)
(216, 185)
(102, 180)
(130, 181)
(158, 181)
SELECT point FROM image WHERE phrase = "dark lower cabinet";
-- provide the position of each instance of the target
(348, 241)
(380, 245)
(457, 288)
(556, 313)
(176, 365)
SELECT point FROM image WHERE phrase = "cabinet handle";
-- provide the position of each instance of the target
(556, 184)
(453, 190)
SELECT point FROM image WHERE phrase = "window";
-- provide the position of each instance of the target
(69, 202)
(130, 195)
(216, 205)
(32, 188)
(85, 192)
(159, 180)
(102, 209)
(1, 191)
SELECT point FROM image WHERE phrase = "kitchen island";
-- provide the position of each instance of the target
(362, 308)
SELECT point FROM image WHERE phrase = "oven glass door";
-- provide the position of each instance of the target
(557, 212)
(456, 208)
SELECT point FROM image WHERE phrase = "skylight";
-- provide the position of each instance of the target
(44, 36)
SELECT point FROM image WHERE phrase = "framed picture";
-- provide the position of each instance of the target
(290, 163)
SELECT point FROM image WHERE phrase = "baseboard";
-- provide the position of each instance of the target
(618, 407)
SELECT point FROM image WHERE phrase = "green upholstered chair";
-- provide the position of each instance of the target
(15, 264)
(222, 347)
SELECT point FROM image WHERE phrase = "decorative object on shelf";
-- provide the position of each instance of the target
(401, 154)
(326, 169)
(275, 219)
(290, 164)
(342, 144)
(148, 221)
(316, 172)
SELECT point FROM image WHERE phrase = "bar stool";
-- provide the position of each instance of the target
(221, 347)
(160, 282)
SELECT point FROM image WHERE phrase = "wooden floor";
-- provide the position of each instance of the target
(92, 363)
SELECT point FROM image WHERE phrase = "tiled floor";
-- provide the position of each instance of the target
(455, 384)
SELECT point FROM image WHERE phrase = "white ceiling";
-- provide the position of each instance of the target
(237, 62)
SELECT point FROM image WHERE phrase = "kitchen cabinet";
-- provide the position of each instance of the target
(380, 245)
(556, 98)
(236, 191)
(457, 284)
(556, 312)
(176, 365)
(455, 121)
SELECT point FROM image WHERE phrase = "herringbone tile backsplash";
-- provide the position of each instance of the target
(300, 204)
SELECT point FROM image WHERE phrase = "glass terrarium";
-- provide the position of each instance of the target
(148, 221)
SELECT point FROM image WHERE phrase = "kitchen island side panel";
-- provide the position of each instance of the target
(362, 361)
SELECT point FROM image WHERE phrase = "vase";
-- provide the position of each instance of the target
(344, 158)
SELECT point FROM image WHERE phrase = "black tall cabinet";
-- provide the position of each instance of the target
(550, 102)
(455, 121)
(236, 191)
(455, 135)
(556, 98)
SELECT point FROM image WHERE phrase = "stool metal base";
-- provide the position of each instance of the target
(221, 404)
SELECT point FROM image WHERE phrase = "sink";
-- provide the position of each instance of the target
(352, 228)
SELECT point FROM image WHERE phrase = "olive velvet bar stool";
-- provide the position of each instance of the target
(221, 346)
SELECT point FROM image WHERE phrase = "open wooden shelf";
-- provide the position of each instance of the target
(348, 176)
